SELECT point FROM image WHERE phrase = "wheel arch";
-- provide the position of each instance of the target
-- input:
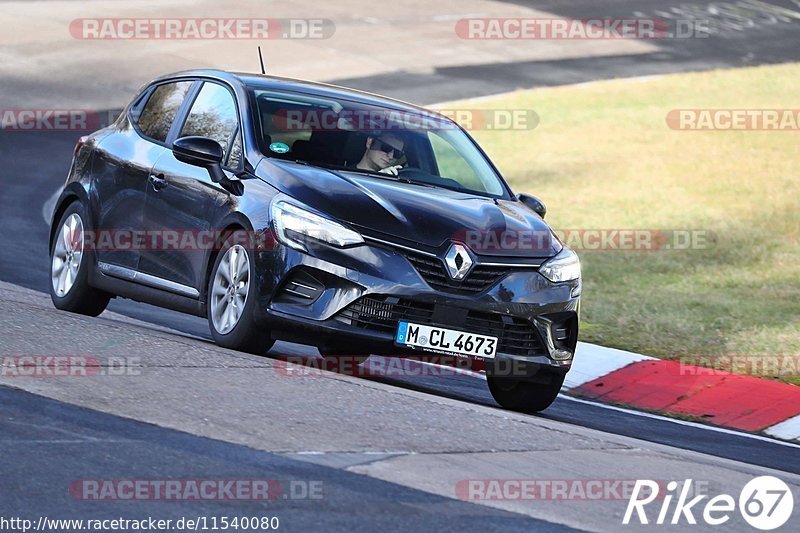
(232, 223)
(71, 194)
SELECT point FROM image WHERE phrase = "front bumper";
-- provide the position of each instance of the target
(353, 299)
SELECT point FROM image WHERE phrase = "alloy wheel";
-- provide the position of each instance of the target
(67, 255)
(229, 292)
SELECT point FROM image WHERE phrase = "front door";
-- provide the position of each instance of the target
(184, 206)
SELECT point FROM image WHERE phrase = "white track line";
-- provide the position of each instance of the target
(793, 428)
(789, 429)
(682, 422)
(593, 361)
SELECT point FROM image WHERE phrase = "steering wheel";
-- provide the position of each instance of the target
(410, 172)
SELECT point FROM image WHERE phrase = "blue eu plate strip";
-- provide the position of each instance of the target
(401, 332)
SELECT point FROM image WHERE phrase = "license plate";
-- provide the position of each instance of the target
(447, 341)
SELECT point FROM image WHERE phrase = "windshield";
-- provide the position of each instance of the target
(334, 133)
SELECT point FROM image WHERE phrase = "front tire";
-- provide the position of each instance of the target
(69, 267)
(232, 300)
(518, 394)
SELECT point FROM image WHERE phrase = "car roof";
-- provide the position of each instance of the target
(266, 82)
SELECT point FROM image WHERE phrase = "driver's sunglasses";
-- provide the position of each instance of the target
(386, 148)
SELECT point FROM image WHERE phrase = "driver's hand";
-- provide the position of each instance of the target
(391, 170)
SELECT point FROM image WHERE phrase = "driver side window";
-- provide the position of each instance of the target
(213, 115)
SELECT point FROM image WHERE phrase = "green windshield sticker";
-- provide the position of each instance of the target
(279, 148)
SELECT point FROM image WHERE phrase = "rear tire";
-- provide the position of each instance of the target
(518, 394)
(231, 300)
(69, 267)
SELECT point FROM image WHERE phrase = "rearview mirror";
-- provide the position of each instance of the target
(533, 203)
(201, 152)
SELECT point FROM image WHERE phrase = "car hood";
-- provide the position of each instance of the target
(415, 215)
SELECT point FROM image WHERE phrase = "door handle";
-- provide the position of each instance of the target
(158, 182)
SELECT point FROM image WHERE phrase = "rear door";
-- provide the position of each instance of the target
(122, 166)
(187, 208)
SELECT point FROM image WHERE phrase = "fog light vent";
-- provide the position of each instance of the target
(301, 287)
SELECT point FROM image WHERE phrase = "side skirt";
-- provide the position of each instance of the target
(128, 283)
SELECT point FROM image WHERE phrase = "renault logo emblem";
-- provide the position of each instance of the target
(459, 261)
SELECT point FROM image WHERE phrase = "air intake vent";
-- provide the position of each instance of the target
(301, 287)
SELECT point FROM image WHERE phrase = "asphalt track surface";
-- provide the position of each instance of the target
(754, 37)
(34, 165)
(94, 444)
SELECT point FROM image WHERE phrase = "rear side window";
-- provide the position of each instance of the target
(138, 106)
(159, 113)
(213, 115)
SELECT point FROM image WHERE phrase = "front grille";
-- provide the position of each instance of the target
(434, 273)
(516, 336)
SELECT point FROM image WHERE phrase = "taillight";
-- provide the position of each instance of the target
(81, 142)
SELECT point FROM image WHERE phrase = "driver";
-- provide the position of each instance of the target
(382, 151)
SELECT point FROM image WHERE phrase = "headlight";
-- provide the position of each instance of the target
(564, 267)
(294, 226)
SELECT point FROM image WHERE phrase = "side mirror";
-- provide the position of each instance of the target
(533, 203)
(201, 152)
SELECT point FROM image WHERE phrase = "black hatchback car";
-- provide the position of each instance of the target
(284, 209)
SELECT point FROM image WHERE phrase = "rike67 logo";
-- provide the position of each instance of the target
(765, 503)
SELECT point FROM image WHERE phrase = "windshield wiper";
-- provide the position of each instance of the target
(305, 163)
(390, 177)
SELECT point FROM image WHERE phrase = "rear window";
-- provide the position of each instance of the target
(156, 119)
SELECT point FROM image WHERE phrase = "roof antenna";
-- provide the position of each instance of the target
(261, 60)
